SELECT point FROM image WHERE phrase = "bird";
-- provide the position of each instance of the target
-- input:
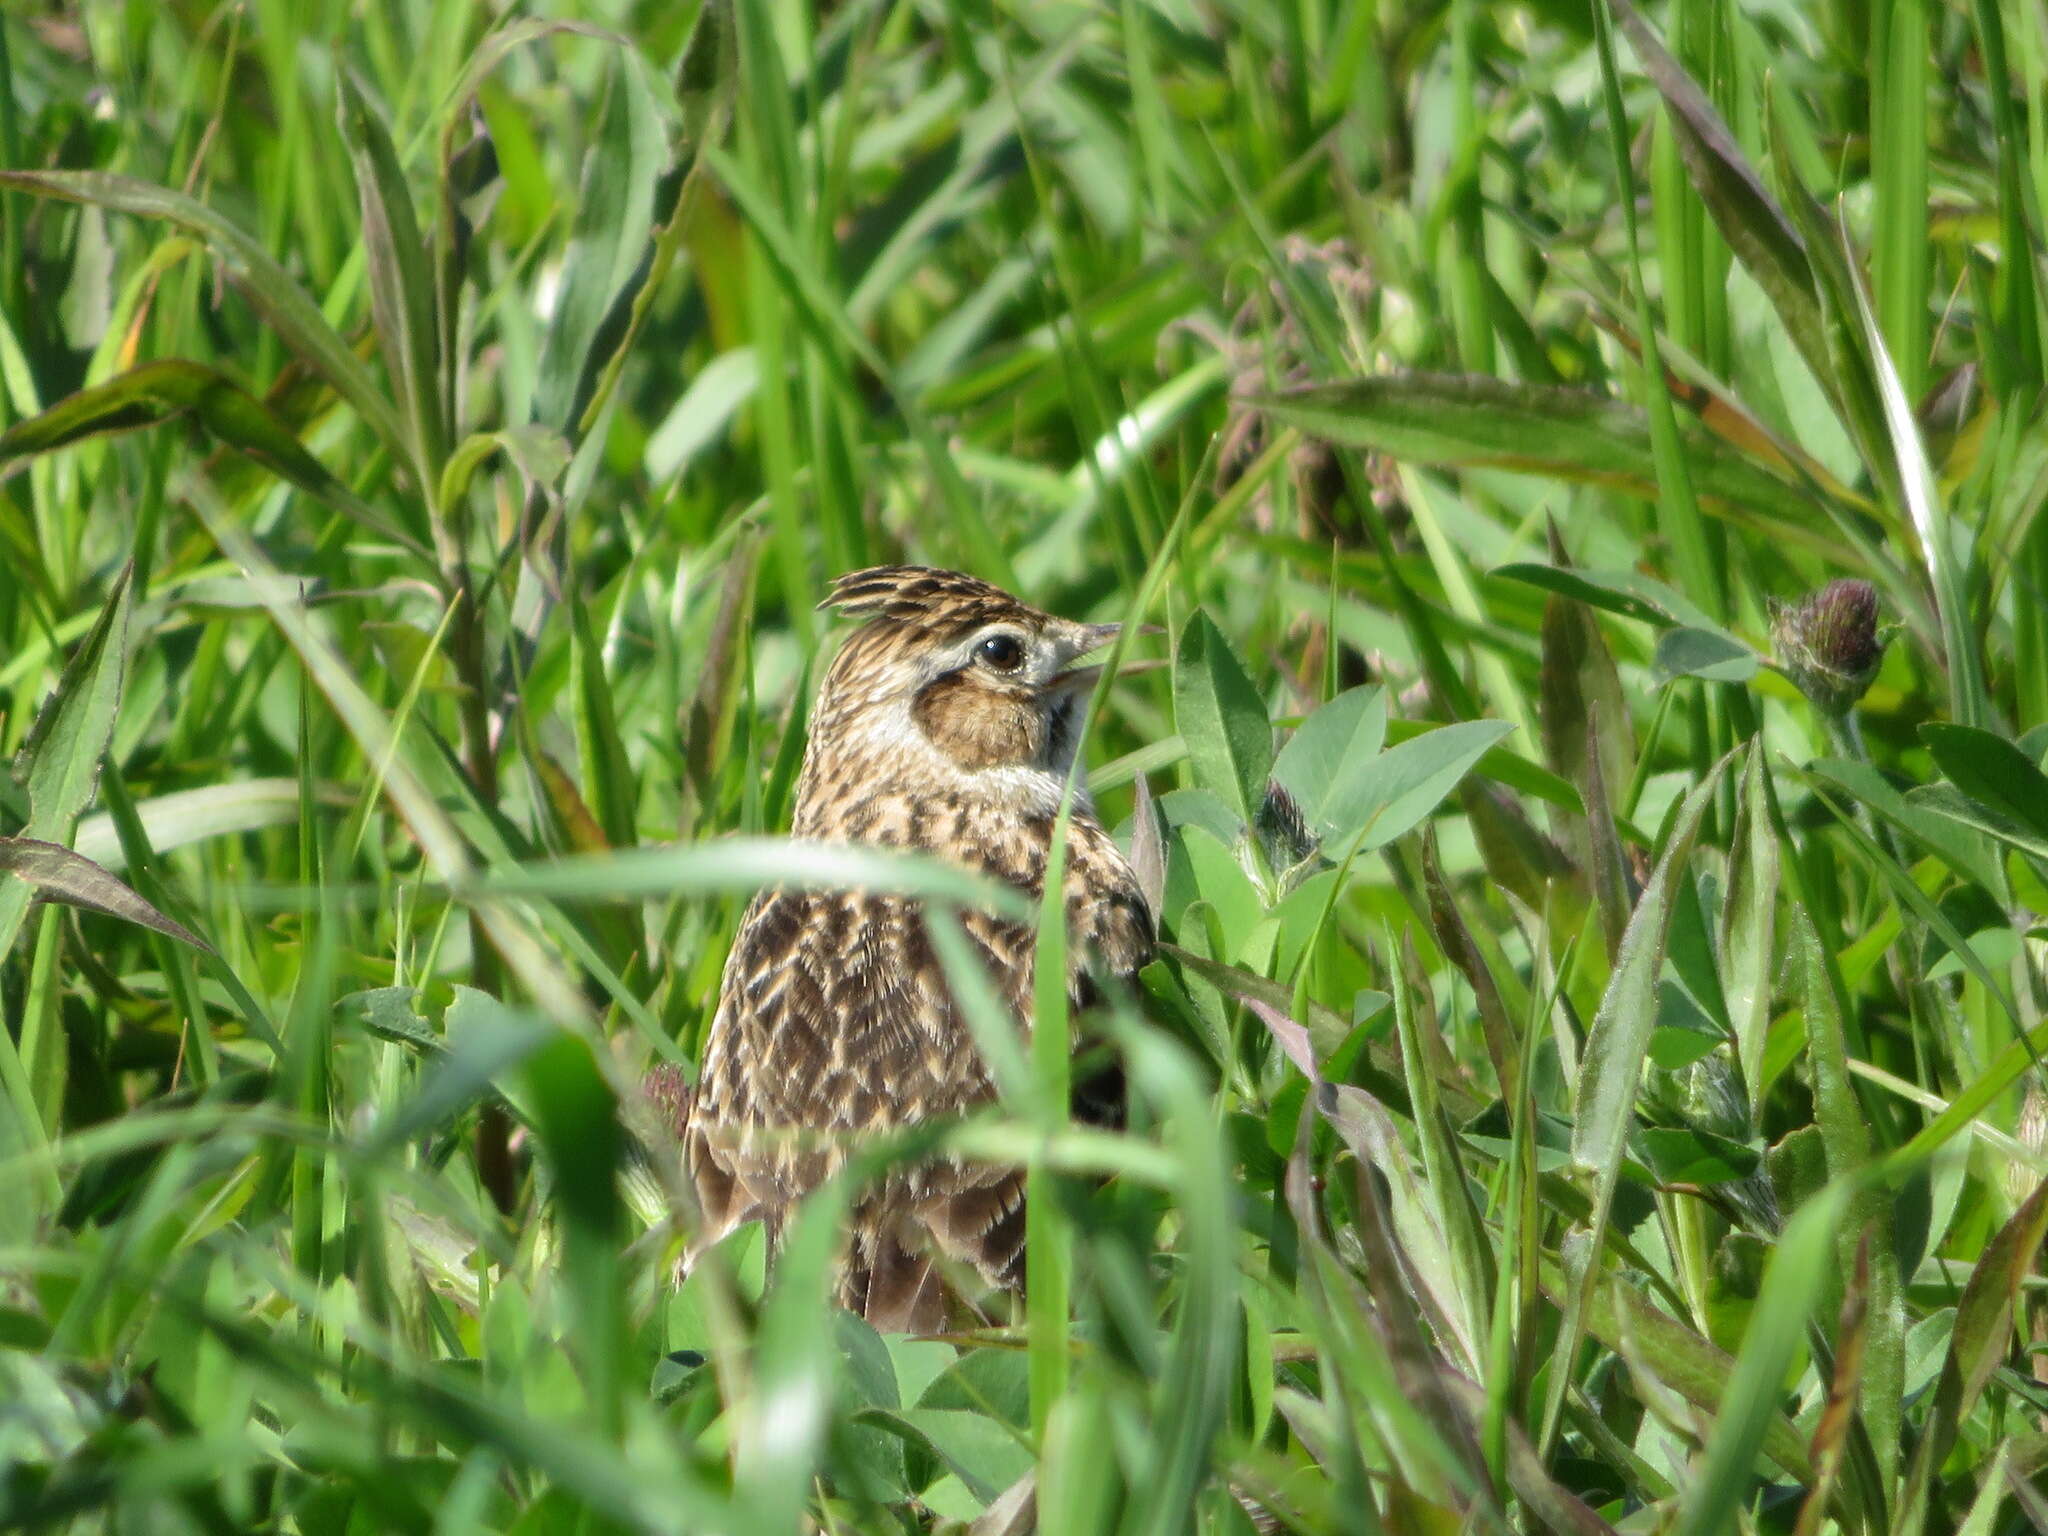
(947, 724)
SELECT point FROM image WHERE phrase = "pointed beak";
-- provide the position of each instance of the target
(1082, 640)
(1090, 638)
(1093, 637)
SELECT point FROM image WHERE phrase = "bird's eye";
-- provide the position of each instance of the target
(1003, 652)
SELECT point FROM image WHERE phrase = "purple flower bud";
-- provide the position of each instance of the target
(1830, 644)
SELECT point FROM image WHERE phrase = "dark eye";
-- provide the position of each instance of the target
(1003, 652)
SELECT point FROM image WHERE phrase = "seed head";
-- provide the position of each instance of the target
(1830, 645)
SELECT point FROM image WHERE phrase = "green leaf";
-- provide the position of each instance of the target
(1994, 772)
(1748, 1410)
(614, 223)
(601, 752)
(1221, 717)
(1989, 1307)
(1845, 1136)
(391, 1013)
(1082, 1489)
(1678, 511)
(1748, 912)
(1849, 373)
(1911, 898)
(1685, 1155)
(1687, 1364)
(1960, 846)
(58, 874)
(723, 674)
(1712, 655)
(1628, 593)
(780, 1427)
(539, 455)
(1454, 938)
(1981, 1340)
(1381, 798)
(166, 391)
(484, 1046)
(576, 1121)
(1327, 1028)
(1921, 497)
(279, 299)
(401, 277)
(1200, 868)
(1620, 1036)
(1755, 227)
(1540, 429)
(1944, 804)
(187, 816)
(1583, 704)
(741, 866)
(1342, 733)
(60, 760)
(985, 1455)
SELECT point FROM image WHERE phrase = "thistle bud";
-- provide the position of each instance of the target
(1830, 644)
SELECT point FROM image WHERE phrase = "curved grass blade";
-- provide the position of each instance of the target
(401, 278)
(1748, 917)
(171, 389)
(280, 300)
(1748, 217)
(1572, 434)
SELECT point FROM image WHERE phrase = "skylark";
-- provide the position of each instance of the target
(948, 724)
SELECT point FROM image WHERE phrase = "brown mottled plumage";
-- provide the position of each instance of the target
(946, 724)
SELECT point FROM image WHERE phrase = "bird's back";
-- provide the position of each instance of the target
(836, 1023)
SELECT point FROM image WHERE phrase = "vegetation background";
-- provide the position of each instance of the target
(1600, 1093)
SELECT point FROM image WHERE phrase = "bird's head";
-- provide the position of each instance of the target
(954, 680)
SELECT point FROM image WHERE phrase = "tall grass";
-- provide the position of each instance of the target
(1591, 1079)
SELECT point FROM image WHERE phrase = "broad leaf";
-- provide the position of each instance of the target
(1684, 1155)
(1711, 655)
(58, 874)
(1336, 738)
(1992, 771)
(1380, 798)
(1221, 717)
